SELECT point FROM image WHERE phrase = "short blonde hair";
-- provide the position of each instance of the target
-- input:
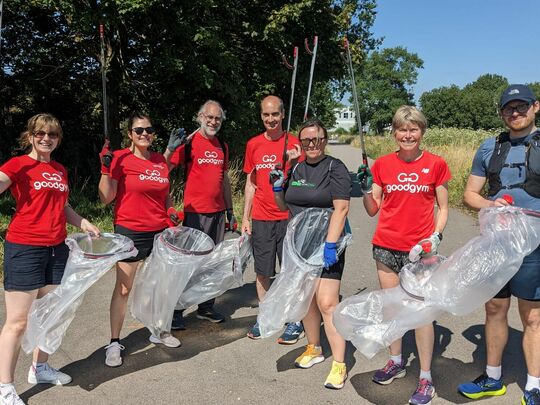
(36, 123)
(407, 114)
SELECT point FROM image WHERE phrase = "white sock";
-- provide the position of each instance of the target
(426, 375)
(494, 372)
(397, 359)
(6, 388)
(532, 383)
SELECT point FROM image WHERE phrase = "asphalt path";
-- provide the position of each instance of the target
(218, 364)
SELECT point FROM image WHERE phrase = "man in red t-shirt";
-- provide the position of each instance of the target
(269, 223)
(207, 192)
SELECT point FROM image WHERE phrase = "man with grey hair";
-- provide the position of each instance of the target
(207, 192)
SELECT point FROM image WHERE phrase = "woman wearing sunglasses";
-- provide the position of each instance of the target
(319, 181)
(137, 179)
(403, 189)
(35, 254)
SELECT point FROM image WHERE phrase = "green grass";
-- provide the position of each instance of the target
(456, 146)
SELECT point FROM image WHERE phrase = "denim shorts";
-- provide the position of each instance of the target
(28, 267)
(526, 282)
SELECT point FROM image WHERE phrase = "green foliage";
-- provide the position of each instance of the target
(475, 106)
(384, 82)
(346, 138)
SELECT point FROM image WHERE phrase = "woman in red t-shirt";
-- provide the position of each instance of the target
(138, 179)
(403, 187)
(35, 254)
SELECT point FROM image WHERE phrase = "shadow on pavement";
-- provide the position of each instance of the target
(140, 354)
(447, 373)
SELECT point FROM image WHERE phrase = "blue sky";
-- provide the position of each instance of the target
(459, 40)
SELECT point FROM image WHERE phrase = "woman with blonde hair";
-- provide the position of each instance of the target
(35, 254)
(403, 187)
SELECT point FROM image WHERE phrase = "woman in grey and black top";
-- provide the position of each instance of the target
(319, 181)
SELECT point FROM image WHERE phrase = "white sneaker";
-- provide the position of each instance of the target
(167, 339)
(8, 396)
(45, 374)
(113, 357)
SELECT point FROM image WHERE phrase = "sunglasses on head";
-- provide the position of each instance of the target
(315, 141)
(140, 130)
(41, 134)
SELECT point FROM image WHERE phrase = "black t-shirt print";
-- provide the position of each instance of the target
(317, 185)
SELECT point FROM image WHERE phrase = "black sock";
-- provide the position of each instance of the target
(117, 340)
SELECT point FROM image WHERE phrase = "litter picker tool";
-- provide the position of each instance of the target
(294, 68)
(348, 60)
(106, 158)
(313, 54)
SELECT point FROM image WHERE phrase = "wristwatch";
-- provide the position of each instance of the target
(438, 235)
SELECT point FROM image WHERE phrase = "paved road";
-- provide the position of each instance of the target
(217, 364)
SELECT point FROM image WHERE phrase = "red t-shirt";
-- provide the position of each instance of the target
(41, 191)
(203, 192)
(407, 210)
(261, 156)
(143, 187)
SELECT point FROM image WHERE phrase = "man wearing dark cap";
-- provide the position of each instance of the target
(510, 172)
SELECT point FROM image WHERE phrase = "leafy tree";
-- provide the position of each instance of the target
(384, 83)
(442, 107)
(167, 58)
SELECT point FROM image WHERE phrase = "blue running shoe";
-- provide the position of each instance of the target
(293, 332)
(390, 372)
(255, 332)
(531, 397)
(481, 387)
(425, 392)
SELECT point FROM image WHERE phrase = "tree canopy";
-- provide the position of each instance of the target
(167, 58)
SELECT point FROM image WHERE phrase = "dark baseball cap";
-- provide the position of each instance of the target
(517, 92)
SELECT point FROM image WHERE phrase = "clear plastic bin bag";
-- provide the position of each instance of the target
(459, 285)
(220, 271)
(89, 259)
(177, 254)
(290, 295)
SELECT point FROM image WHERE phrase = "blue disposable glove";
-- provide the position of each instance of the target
(276, 179)
(330, 254)
(176, 138)
(365, 178)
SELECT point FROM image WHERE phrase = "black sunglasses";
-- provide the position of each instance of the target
(41, 134)
(520, 108)
(315, 141)
(140, 130)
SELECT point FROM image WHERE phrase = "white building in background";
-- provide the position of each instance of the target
(345, 118)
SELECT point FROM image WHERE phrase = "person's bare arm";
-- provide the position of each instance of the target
(473, 198)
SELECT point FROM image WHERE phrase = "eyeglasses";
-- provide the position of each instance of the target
(217, 118)
(521, 108)
(140, 130)
(41, 134)
(315, 141)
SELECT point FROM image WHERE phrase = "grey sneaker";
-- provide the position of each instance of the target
(45, 374)
(165, 339)
(113, 355)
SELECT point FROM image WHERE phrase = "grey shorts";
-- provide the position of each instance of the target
(212, 224)
(267, 239)
(393, 259)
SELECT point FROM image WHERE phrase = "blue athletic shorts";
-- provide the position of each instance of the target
(526, 283)
(28, 267)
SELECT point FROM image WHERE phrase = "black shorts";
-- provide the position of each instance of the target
(212, 224)
(143, 241)
(267, 240)
(393, 259)
(28, 267)
(335, 272)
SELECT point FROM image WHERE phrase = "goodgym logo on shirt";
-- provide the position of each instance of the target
(52, 180)
(153, 175)
(211, 158)
(269, 162)
(406, 183)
